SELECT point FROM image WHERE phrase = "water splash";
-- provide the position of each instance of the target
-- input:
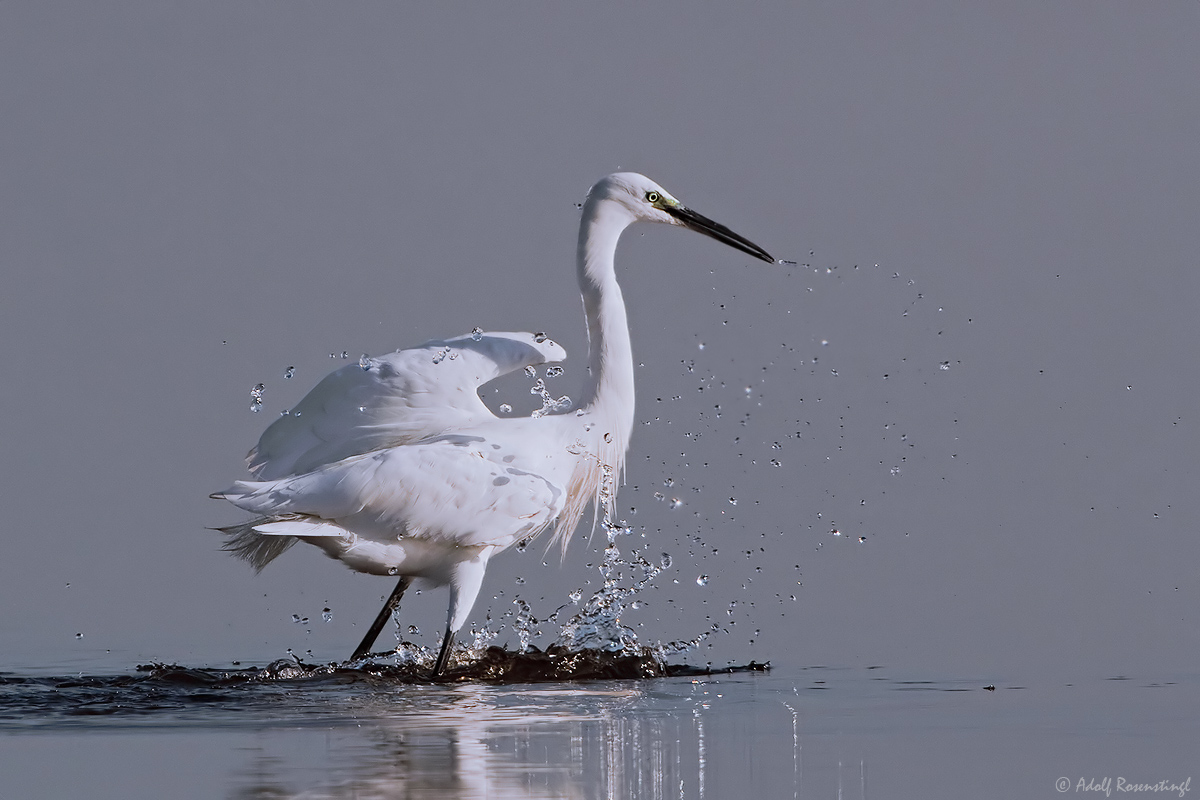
(597, 624)
(525, 626)
(549, 404)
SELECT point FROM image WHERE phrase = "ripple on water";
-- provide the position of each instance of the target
(157, 690)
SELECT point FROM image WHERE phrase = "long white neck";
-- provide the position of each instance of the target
(609, 389)
(606, 422)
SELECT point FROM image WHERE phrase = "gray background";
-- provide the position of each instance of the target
(196, 197)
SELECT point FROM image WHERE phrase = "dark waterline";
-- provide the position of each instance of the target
(171, 690)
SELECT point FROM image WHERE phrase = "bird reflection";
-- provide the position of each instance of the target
(473, 742)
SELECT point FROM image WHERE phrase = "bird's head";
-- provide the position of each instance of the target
(645, 200)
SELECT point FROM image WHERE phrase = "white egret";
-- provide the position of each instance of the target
(394, 466)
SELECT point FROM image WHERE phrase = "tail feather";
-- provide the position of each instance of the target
(257, 549)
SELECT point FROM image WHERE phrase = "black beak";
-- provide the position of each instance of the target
(717, 231)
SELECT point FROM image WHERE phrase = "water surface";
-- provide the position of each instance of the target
(282, 732)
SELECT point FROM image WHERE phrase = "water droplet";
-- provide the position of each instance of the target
(520, 581)
(944, 365)
(665, 560)
(675, 502)
(576, 595)
(477, 333)
(364, 362)
(895, 470)
(702, 580)
(345, 354)
(393, 571)
(505, 408)
(540, 337)
(79, 636)
(289, 372)
(521, 545)
(659, 496)
(531, 371)
(748, 390)
(733, 501)
(669, 482)
(553, 372)
(256, 397)
(824, 343)
(295, 617)
(413, 630)
(326, 615)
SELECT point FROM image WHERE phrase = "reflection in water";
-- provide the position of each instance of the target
(579, 741)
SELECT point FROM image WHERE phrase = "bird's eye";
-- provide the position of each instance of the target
(653, 197)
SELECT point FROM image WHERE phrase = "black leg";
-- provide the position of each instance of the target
(393, 601)
(444, 655)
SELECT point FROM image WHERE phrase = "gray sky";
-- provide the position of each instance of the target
(198, 197)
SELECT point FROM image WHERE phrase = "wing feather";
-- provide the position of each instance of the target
(449, 489)
(392, 400)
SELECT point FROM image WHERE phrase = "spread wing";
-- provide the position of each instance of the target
(393, 400)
